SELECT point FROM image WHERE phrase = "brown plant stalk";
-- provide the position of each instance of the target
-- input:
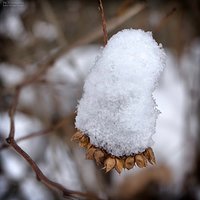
(103, 20)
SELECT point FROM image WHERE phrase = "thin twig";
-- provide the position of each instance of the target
(41, 177)
(103, 20)
(29, 136)
(38, 133)
(12, 112)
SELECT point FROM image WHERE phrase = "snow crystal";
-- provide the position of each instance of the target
(117, 110)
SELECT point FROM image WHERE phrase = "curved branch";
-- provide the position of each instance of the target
(41, 177)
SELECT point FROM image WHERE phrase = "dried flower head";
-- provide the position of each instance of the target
(129, 162)
(117, 114)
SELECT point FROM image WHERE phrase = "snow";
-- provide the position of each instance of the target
(45, 30)
(34, 190)
(64, 170)
(3, 186)
(171, 97)
(73, 66)
(11, 75)
(169, 148)
(117, 110)
(11, 23)
(24, 125)
(14, 168)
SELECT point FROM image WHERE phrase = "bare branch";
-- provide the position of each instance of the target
(12, 112)
(103, 20)
(41, 177)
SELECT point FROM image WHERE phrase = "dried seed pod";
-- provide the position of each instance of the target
(140, 160)
(119, 165)
(149, 155)
(84, 141)
(90, 153)
(77, 136)
(129, 162)
(112, 161)
(99, 156)
(89, 145)
(109, 164)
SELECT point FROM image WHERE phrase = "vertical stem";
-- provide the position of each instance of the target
(12, 113)
(103, 19)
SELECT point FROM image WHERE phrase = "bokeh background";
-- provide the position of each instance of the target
(32, 32)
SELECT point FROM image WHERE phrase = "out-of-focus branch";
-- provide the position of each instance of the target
(38, 133)
(51, 16)
(117, 21)
(164, 20)
(90, 37)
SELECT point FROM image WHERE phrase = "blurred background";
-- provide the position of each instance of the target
(67, 35)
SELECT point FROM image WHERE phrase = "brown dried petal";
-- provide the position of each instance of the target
(99, 156)
(84, 141)
(119, 165)
(109, 164)
(129, 162)
(149, 155)
(90, 153)
(77, 136)
(89, 145)
(140, 161)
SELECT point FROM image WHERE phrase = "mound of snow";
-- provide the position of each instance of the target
(117, 110)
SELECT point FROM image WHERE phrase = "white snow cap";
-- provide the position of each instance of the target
(117, 110)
